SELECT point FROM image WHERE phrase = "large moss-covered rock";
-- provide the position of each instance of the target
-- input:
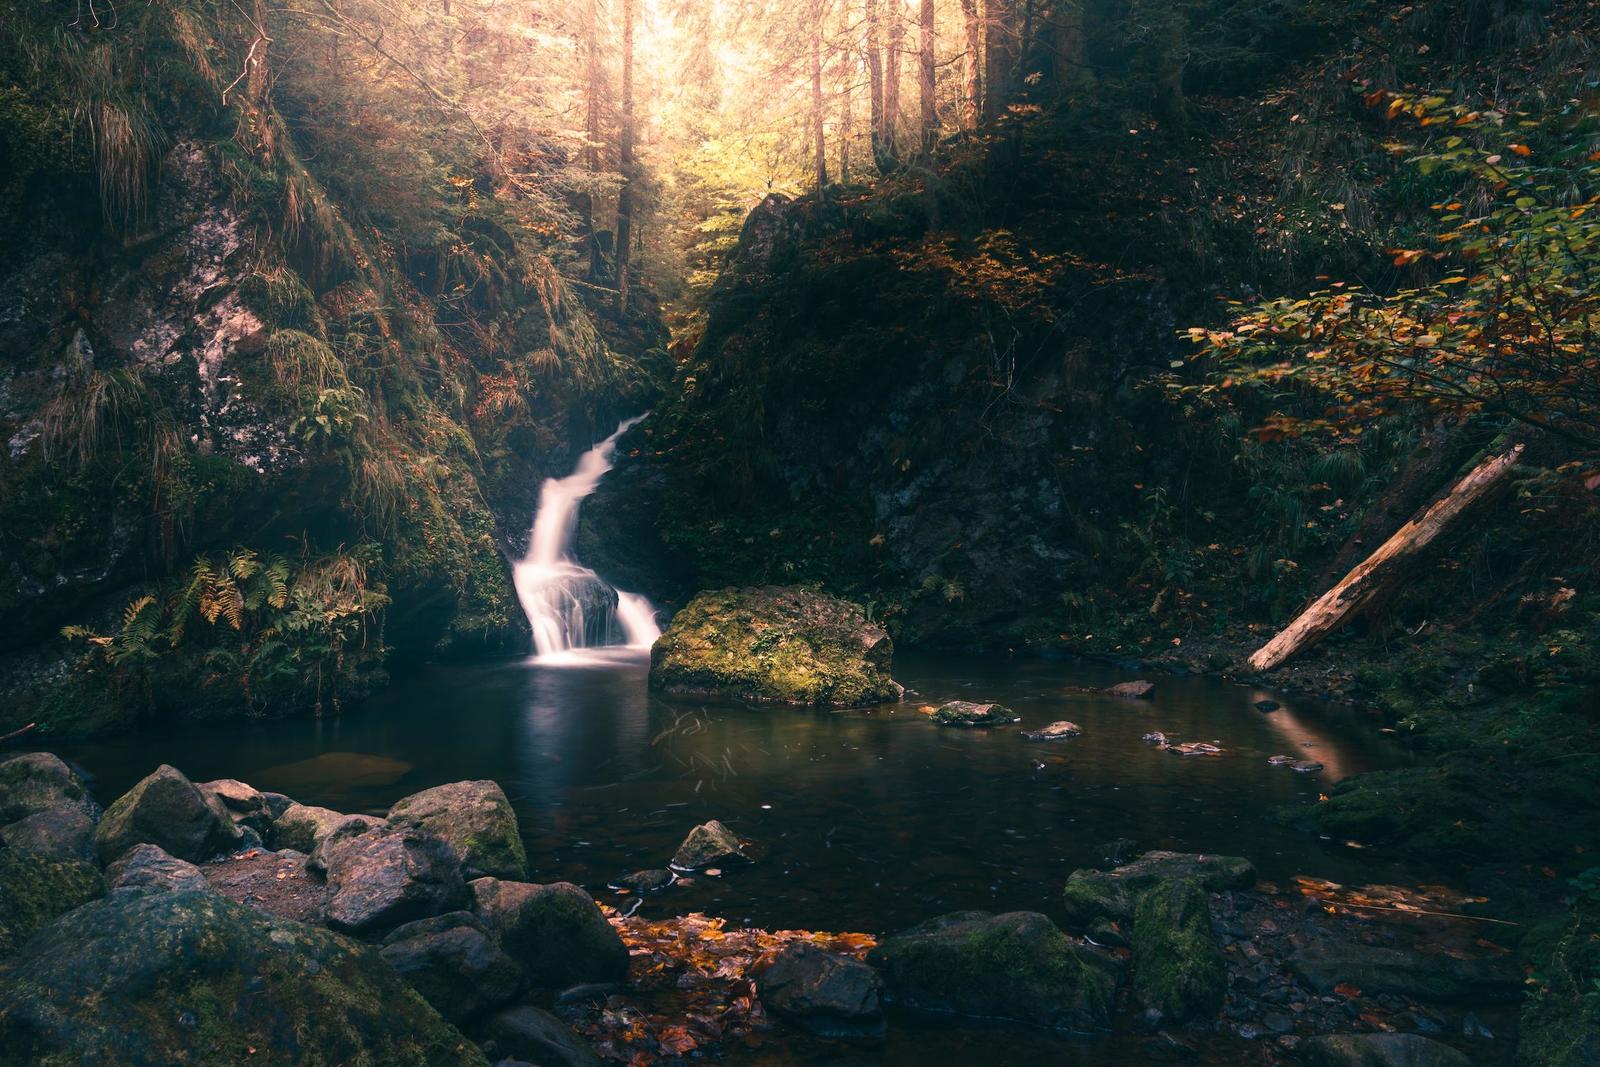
(1560, 1023)
(35, 888)
(193, 978)
(706, 845)
(1178, 970)
(303, 827)
(454, 962)
(65, 831)
(1378, 1050)
(555, 932)
(147, 869)
(166, 809)
(1092, 895)
(477, 820)
(775, 643)
(1017, 967)
(37, 781)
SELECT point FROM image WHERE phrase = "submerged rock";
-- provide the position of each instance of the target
(1322, 965)
(194, 978)
(1267, 706)
(455, 963)
(778, 643)
(1378, 1050)
(1305, 766)
(707, 844)
(1056, 731)
(1133, 690)
(536, 1036)
(166, 809)
(1017, 967)
(477, 820)
(147, 869)
(1092, 894)
(1178, 969)
(34, 782)
(1193, 748)
(65, 831)
(966, 713)
(653, 881)
(825, 992)
(389, 875)
(555, 932)
(34, 890)
(1281, 761)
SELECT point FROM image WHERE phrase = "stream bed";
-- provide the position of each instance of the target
(866, 820)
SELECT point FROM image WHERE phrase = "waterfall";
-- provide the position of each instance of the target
(569, 606)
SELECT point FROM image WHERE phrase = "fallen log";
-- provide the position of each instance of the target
(1381, 569)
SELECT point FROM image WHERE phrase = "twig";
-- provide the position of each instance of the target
(1418, 911)
(14, 734)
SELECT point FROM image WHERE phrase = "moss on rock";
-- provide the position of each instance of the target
(786, 644)
(477, 821)
(1178, 970)
(193, 978)
(35, 889)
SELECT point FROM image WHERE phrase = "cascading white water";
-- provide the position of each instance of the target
(570, 607)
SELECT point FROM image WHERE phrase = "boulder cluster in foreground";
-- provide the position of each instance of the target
(212, 923)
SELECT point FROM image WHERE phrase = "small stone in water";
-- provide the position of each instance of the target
(713, 872)
(1156, 738)
(1056, 731)
(1306, 766)
(1265, 706)
(1194, 748)
(1281, 761)
(1133, 690)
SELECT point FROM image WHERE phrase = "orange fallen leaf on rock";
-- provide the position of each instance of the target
(1346, 990)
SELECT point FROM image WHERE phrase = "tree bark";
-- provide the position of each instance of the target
(972, 66)
(999, 44)
(625, 160)
(818, 141)
(1380, 570)
(591, 129)
(891, 79)
(875, 75)
(1072, 59)
(925, 77)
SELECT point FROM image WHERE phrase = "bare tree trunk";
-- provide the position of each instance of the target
(1072, 60)
(999, 45)
(925, 77)
(818, 142)
(625, 160)
(972, 66)
(591, 129)
(891, 79)
(846, 119)
(1380, 570)
(875, 75)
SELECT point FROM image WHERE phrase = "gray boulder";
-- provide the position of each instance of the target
(477, 820)
(33, 782)
(170, 978)
(1378, 1050)
(1322, 965)
(1090, 895)
(302, 827)
(65, 831)
(651, 881)
(389, 875)
(824, 992)
(347, 827)
(556, 932)
(147, 869)
(535, 1036)
(454, 962)
(1017, 968)
(707, 845)
(166, 809)
(245, 804)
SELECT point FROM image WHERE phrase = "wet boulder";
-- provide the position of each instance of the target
(245, 804)
(1378, 1050)
(145, 980)
(1374, 969)
(455, 963)
(1133, 690)
(652, 881)
(1017, 967)
(34, 782)
(1178, 970)
(707, 845)
(966, 713)
(1090, 894)
(347, 827)
(785, 644)
(824, 992)
(389, 875)
(302, 827)
(1056, 731)
(276, 803)
(477, 820)
(166, 809)
(35, 889)
(555, 932)
(65, 831)
(147, 869)
(535, 1036)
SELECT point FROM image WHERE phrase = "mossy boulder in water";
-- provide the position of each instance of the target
(708, 844)
(193, 978)
(1178, 970)
(555, 932)
(965, 713)
(166, 809)
(477, 820)
(35, 889)
(797, 646)
(1092, 895)
(1016, 967)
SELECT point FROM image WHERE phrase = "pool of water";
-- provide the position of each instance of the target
(864, 820)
